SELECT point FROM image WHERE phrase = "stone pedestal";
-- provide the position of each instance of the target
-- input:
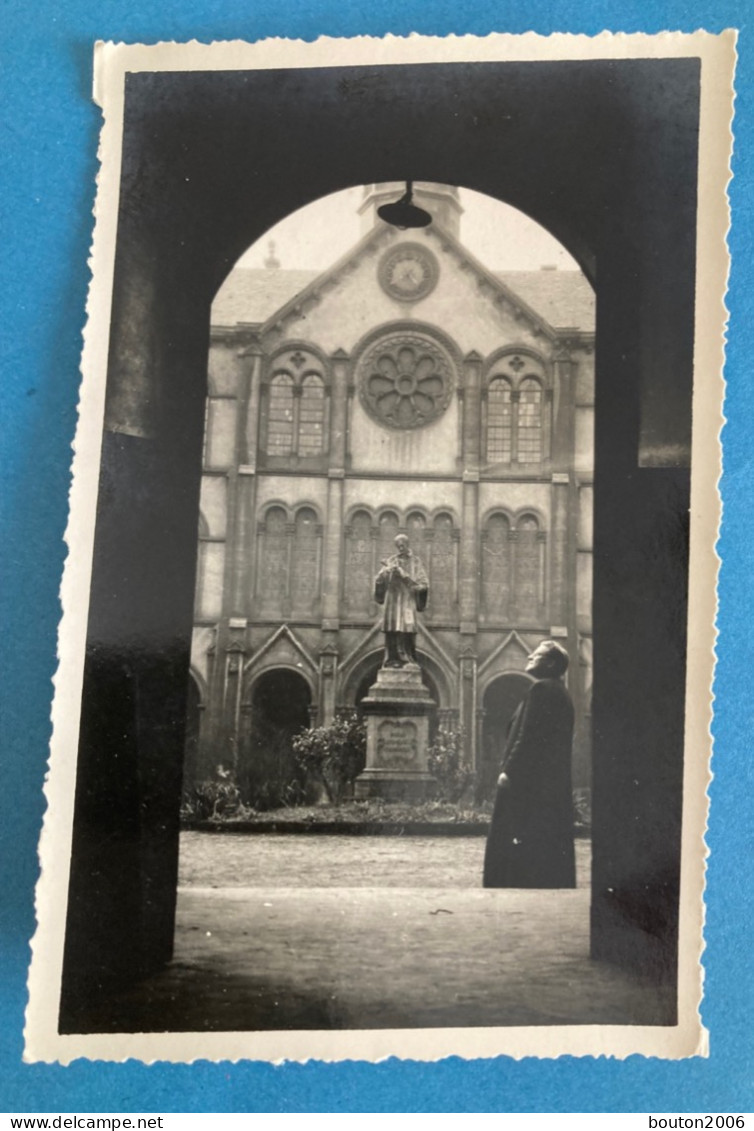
(397, 712)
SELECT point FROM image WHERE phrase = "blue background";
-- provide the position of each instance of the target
(48, 164)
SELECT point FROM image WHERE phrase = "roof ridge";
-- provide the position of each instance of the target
(260, 295)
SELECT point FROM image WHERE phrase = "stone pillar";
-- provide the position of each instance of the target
(468, 566)
(397, 713)
(467, 700)
(333, 550)
(339, 409)
(232, 691)
(245, 486)
(331, 574)
(561, 597)
(469, 556)
(472, 432)
(328, 667)
(563, 501)
(479, 753)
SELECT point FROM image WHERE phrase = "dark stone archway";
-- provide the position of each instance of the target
(267, 773)
(604, 155)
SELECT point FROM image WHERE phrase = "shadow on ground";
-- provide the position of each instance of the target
(308, 952)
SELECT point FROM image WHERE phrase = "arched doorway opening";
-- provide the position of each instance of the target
(500, 700)
(641, 230)
(268, 775)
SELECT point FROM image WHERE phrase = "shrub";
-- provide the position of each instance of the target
(445, 761)
(212, 799)
(333, 755)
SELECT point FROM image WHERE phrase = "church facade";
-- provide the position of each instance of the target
(405, 389)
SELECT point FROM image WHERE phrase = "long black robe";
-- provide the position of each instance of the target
(530, 843)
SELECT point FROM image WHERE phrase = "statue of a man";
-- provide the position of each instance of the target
(402, 587)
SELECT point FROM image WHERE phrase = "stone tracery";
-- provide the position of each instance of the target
(405, 380)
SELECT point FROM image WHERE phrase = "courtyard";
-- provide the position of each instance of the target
(366, 932)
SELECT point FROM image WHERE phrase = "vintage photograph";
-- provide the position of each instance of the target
(382, 718)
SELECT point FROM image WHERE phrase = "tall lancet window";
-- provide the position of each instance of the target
(311, 425)
(388, 528)
(530, 421)
(416, 526)
(529, 570)
(443, 567)
(280, 416)
(499, 421)
(305, 559)
(274, 557)
(359, 569)
(496, 568)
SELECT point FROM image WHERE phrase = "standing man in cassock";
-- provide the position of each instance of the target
(530, 843)
(402, 587)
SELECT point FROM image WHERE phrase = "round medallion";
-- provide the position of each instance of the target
(408, 272)
(405, 380)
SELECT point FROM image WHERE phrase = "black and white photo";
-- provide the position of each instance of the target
(382, 720)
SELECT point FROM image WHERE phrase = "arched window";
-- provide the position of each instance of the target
(305, 559)
(416, 525)
(388, 528)
(442, 567)
(517, 426)
(359, 569)
(273, 551)
(280, 416)
(311, 424)
(496, 568)
(296, 406)
(499, 421)
(529, 569)
(530, 421)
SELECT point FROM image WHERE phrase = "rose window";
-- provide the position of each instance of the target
(405, 381)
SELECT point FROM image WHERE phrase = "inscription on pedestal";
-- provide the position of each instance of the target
(396, 743)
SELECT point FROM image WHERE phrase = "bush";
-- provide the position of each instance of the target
(212, 799)
(445, 761)
(333, 755)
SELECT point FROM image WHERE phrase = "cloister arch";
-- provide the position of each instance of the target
(279, 697)
(358, 677)
(210, 162)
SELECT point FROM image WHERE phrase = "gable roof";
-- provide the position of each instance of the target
(254, 294)
(564, 298)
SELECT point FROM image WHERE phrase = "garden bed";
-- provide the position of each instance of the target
(355, 818)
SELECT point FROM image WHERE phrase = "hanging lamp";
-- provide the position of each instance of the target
(403, 213)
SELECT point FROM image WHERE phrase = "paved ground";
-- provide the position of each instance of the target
(293, 937)
(284, 861)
